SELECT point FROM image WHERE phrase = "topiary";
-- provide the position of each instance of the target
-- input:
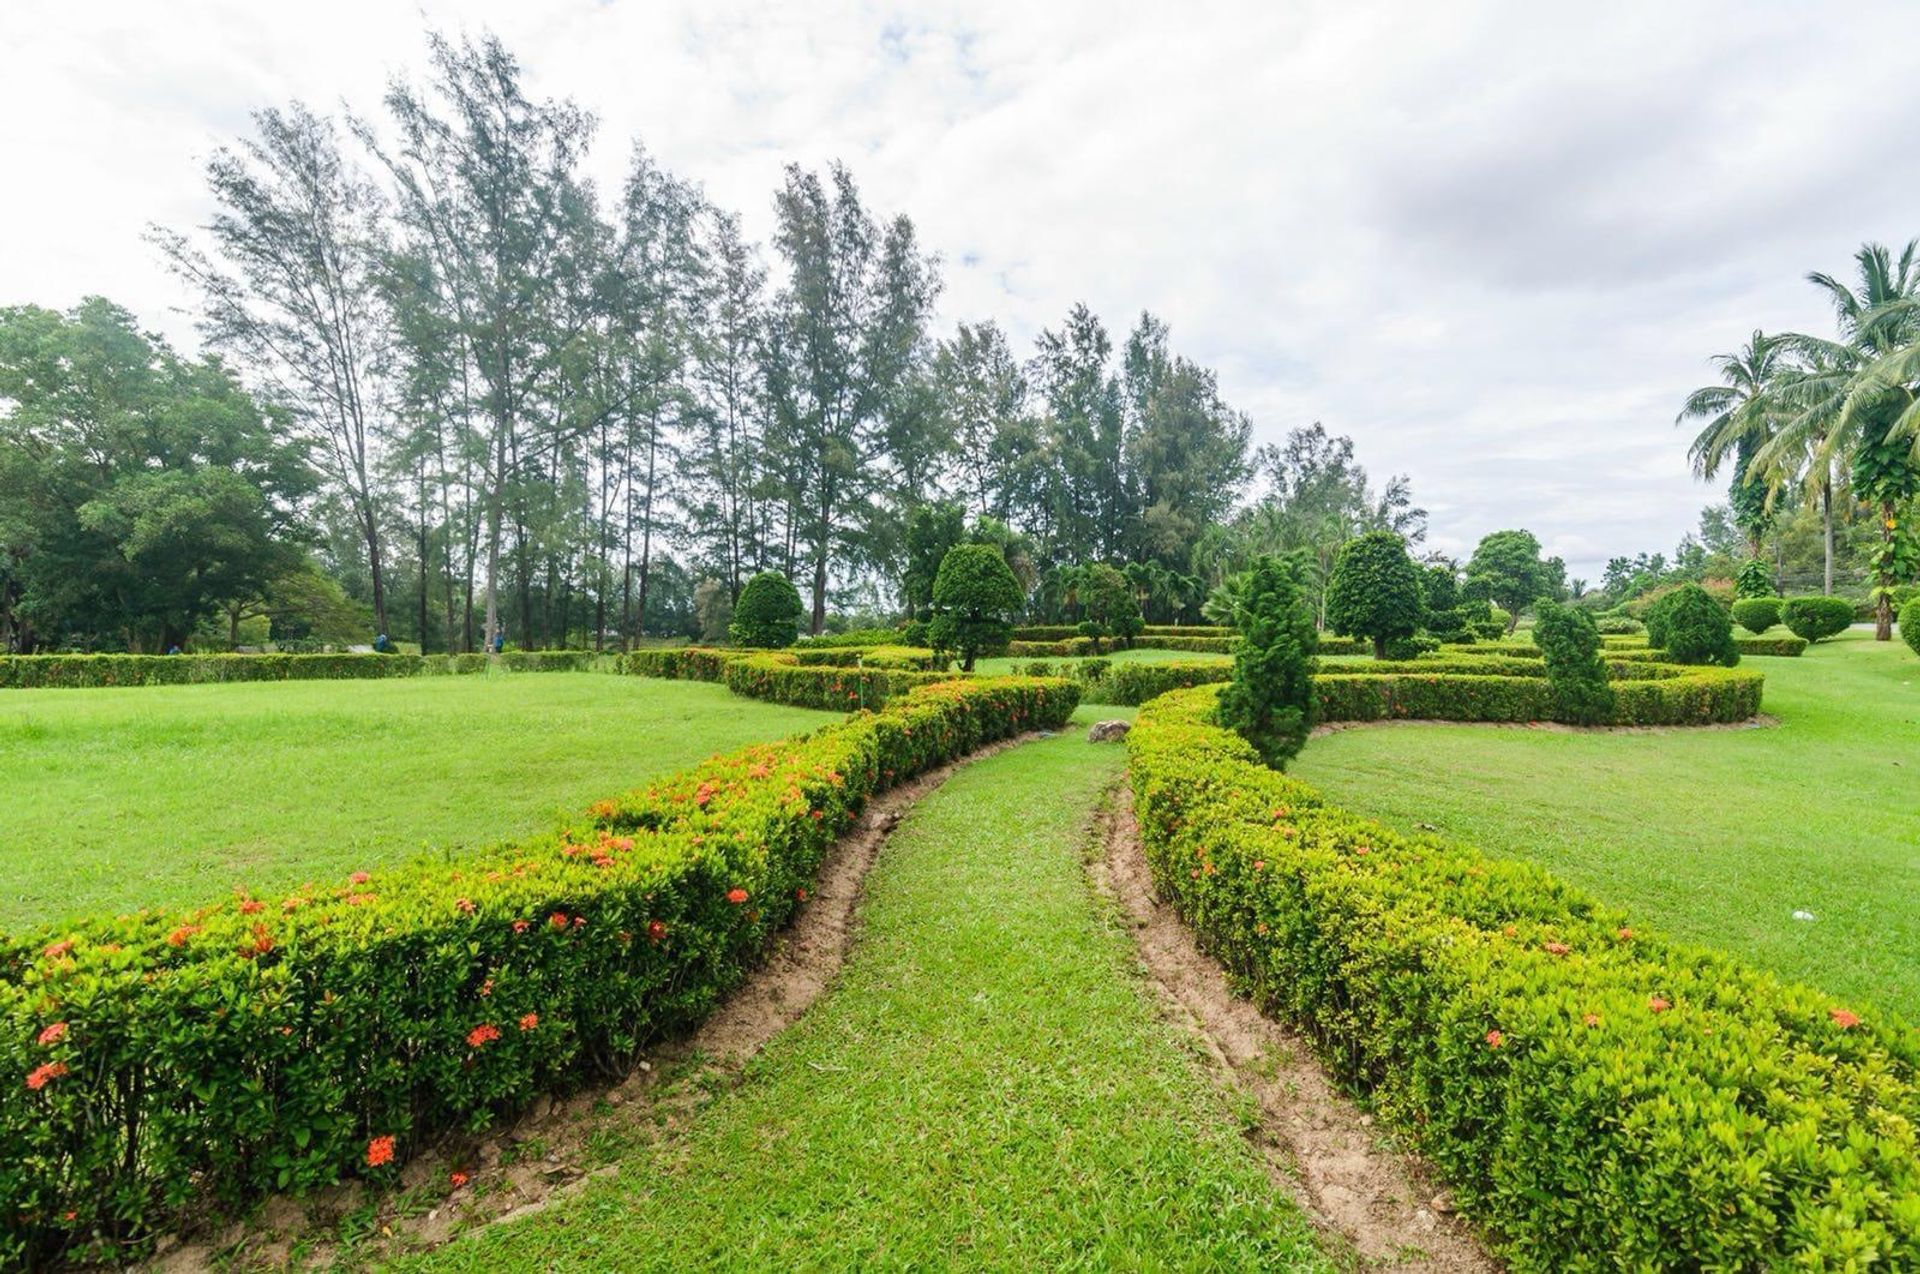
(767, 616)
(1374, 591)
(1412, 647)
(1753, 580)
(1692, 628)
(1756, 614)
(1569, 642)
(975, 598)
(1619, 625)
(1108, 601)
(1910, 625)
(1036, 668)
(1816, 617)
(1270, 699)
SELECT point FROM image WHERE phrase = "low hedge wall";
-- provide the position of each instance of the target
(1787, 645)
(1331, 644)
(1220, 645)
(1135, 683)
(1069, 647)
(906, 658)
(67, 672)
(1597, 1097)
(1644, 694)
(779, 676)
(1062, 648)
(161, 1061)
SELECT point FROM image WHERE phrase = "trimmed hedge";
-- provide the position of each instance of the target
(1598, 1097)
(908, 658)
(1221, 645)
(1910, 625)
(1644, 694)
(1130, 683)
(1756, 614)
(1064, 648)
(1329, 644)
(1816, 618)
(164, 1061)
(781, 677)
(854, 637)
(1770, 645)
(67, 672)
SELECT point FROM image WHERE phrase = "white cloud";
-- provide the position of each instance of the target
(1494, 242)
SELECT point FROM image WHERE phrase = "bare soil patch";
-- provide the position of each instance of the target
(1381, 1201)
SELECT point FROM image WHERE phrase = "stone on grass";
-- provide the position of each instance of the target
(1107, 731)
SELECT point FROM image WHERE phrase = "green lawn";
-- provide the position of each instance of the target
(989, 1085)
(1716, 835)
(117, 799)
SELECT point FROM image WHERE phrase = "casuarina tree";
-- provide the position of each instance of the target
(1375, 591)
(1270, 699)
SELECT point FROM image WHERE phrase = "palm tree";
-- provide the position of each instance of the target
(1740, 415)
(1857, 398)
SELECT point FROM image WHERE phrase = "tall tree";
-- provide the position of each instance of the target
(725, 465)
(982, 393)
(1740, 416)
(1087, 510)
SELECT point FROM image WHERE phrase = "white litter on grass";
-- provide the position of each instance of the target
(1803, 915)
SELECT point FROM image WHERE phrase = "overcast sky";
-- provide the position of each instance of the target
(1493, 242)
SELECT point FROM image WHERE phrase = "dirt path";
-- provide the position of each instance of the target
(1316, 1141)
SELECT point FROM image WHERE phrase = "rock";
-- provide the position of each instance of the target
(1442, 1202)
(1107, 731)
(1803, 915)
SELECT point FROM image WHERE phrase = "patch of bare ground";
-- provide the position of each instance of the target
(1760, 722)
(1380, 1202)
(560, 1144)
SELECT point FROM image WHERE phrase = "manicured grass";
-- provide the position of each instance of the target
(988, 1086)
(1002, 665)
(1716, 835)
(172, 795)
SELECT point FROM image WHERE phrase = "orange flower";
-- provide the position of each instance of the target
(38, 1077)
(1843, 1019)
(178, 938)
(1625, 935)
(1557, 948)
(292, 904)
(736, 896)
(529, 1021)
(482, 1034)
(558, 920)
(521, 926)
(656, 930)
(801, 894)
(463, 905)
(486, 988)
(1658, 1005)
(251, 905)
(1591, 1019)
(457, 1179)
(358, 878)
(379, 1152)
(1495, 1039)
(58, 950)
(53, 1034)
(1259, 864)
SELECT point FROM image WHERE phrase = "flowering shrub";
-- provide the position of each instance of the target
(31, 672)
(211, 1057)
(1597, 1096)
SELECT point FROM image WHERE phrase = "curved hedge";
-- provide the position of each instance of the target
(166, 1060)
(1134, 683)
(1516, 690)
(66, 672)
(781, 677)
(1597, 1096)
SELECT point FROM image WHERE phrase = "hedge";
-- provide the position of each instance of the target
(1643, 695)
(1332, 645)
(1770, 645)
(1220, 645)
(165, 1061)
(53, 672)
(780, 677)
(1597, 1096)
(1135, 683)
(1063, 648)
(909, 658)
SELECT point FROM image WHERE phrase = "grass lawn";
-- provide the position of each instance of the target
(1715, 835)
(117, 799)
(1003, 665)
(989, 1085)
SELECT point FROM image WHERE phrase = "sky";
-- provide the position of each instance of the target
(1495, 243)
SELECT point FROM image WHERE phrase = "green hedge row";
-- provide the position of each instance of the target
(1648, 695)
(1220, 645)
(66, 672)
(164, 1061)
(1135, 683)
(779, 677)
(1063, 632)
(1060, 648)
(1770, 645)
(907, 658)
(1597, 1097)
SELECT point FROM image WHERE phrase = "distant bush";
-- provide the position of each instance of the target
(1129, 684)
(1619, 626)
(1088, 671)
(1753, 580)
(1036, 668)
(1269, 702)
(767, 616)
(1910, 625)
(1692, 627)
(1570, 646)
(1756, 614)
(1816, 618)
(1112, 610)
(857, 637)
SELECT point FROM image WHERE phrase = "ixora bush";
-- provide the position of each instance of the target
(1576, 676)
(1816, 618)
(1597, 1096)
(1135, 683)
(1910, 625)
(768, 612)
(1756, 614)
(162, 1061)
(975, 597)
(1374, 591)
(1692, 627)
(1269, 701)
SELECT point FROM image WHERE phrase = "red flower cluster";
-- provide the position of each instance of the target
(482, 1034)
(558, 920)
(464, 906)
(1495, 1039)
(39, 1076)
(1557, 948)
(457, 1179)
(529, 1021)
(178, 938)
(521, 926)
(251, 905)
(58, 950)
(1658, 1005)
(1843, 1019)
(656, 930)
(736, 896)
(379, 1152)
(52, 1035)
(359, 878)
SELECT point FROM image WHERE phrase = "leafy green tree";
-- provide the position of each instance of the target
(932, 529)
(768, 613)
(1111, 607)
(1375, 591)
(1507, 566)
(1754, 580)
(1692, 627)
(1741, 416)
(975, 599)
(1569, 642)
(1270, 699)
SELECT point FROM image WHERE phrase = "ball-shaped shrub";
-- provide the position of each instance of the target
(1374, 591)
(975, 597)
(1816, 617)
(1910, 625)
(768, 612)
(1692, 628)
(1757, 614)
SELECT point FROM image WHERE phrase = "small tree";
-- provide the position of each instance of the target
(768, 612)
(1112, 610)
(1270, 699)
(1692, 628)
(713, 609)
(1375, 590)
(975, 598)
(1817, 618)
(1754, 580)
(1570, 642)
(1506, 568)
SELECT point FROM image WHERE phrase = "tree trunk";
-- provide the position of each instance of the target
(1826, 528)
(1884, 582)
(373, 560)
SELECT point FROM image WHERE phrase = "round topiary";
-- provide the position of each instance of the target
(1910, 625)
(1692, 628)
(1374, 591)
(1757, 614)
(975, 598)
(1816, 617)
(768, 612)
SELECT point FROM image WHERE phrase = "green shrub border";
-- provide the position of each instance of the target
(1645, 694)
(264, 1044)
(68, 672)
(781, 677)
(1597, 1096)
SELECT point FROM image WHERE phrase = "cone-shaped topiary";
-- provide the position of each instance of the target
(1692, 628)
(1570, 643)
(1270, 699)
